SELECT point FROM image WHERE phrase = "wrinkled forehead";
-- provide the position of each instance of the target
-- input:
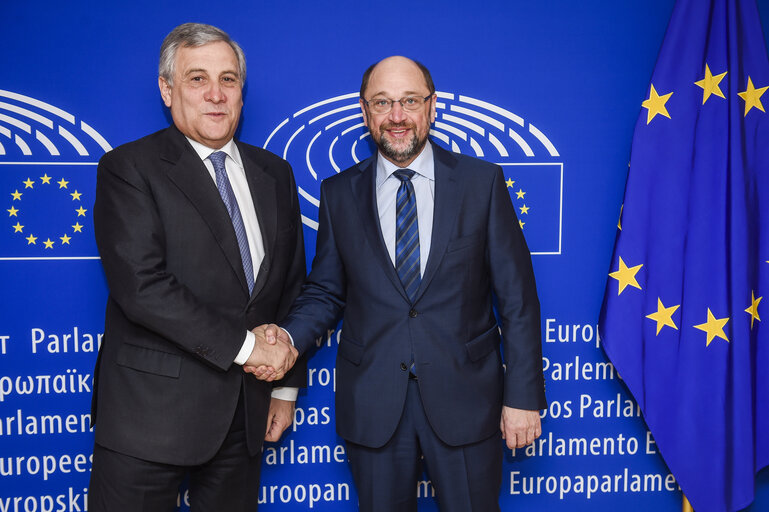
(216, 57)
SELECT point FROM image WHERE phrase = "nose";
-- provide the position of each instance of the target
(215, 93)
(397, 114)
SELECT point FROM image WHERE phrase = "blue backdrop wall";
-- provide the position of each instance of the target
(551, 90)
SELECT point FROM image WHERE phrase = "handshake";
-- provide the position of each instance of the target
(273, 354)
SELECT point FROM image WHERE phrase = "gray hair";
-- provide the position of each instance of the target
(195, 35)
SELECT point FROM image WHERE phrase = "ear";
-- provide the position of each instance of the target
(433, 113)
(363, 110)
(165, 91)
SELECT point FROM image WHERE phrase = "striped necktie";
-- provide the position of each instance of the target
(228, 197)
(407, 234)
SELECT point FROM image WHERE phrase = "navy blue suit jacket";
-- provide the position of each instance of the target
(478, 258)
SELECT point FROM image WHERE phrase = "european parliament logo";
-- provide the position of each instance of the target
(47, 181)
(329, 136)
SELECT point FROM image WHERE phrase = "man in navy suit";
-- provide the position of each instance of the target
(200, 237)
(420, 368)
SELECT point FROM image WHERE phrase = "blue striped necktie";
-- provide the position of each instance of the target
(228, 197)
(407, 234)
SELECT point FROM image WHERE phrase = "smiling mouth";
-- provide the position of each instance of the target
(398, 131)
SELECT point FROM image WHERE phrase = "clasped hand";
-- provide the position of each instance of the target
(273, 354)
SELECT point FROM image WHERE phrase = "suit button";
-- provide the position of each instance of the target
(413, 313)
(404, 367)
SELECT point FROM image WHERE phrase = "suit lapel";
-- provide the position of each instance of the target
(445, 210)
(364, 191)
(262, 188)
(190, 175)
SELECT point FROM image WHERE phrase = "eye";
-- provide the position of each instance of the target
(380, 103)
(411, 101)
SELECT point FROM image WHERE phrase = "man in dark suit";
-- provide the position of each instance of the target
(200, 237)
(419, 367)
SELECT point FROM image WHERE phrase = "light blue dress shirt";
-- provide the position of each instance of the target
(424, 189)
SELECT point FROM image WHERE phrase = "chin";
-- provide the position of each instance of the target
(401, 150)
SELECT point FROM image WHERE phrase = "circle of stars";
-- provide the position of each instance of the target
(25, 231)
(656, 104)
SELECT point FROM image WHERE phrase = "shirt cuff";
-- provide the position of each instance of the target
(291, 338)
(285, 393)
(246, 349)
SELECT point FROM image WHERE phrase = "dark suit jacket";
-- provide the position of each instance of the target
(478, 259)
(166, 387)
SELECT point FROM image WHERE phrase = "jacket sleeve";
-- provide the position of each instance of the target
(517, 302)
(322, 300)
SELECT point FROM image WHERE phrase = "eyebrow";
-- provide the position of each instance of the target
(205, 71)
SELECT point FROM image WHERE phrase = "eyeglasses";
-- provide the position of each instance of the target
(385, 105)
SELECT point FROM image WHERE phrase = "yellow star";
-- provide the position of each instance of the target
(714, 327)
(81, 212)
(752, 97)
(76, 195)
(48, 244)
(524, 209)
(626, 276)
(17, 228)
(509, 182)
(28, 183)
(752, 310)
(619, 221)
(12, 212)
(31, 240)
(16, 195)
(520, 194)
(65, 239)
(709, 84)
(45, 179)
(655, 104)
(77, 227)
(521, 223)
(663, 316)
(63, 183)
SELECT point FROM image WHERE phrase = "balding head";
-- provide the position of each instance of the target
(395, 63)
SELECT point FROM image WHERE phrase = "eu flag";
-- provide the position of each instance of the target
(682, 313)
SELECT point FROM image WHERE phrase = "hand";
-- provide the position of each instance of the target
(272, 355)
(519, 427)
(279, 418)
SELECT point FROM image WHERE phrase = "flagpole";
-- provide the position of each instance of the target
(686, 507)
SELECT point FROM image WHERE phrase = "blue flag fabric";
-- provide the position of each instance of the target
(687, 298)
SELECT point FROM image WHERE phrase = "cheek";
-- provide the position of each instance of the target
(189, 104)
(423, 126)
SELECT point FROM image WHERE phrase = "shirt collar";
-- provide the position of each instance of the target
(423, 165)
(204, 151)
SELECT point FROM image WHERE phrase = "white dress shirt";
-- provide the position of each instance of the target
(233, 164)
